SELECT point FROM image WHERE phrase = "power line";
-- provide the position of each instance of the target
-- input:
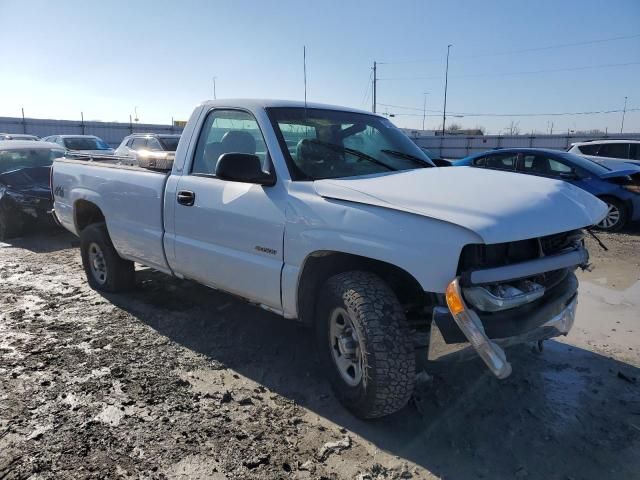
(514, 52)
(552, 47)
(529, 72)
(469, 114)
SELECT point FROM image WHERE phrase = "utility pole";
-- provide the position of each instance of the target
(624, 110)
(424, 110)
(375, 86)
(214, 88)
(446, 81)
(24, 123)
(82, 121)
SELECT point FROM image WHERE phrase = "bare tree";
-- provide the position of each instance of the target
(454, 127)
(513, 128)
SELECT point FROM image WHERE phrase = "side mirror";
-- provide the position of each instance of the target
(243, 167)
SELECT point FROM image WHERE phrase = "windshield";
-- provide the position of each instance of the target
(321, 143)
(26, 158)
(85, 143)
(169, 144)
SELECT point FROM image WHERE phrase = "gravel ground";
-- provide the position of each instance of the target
(178, 381)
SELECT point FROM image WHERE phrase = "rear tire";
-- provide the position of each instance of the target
(365, 344)
(103, 266)
(617, 215)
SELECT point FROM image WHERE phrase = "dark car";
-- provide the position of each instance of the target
(615, 182)
(25, 195)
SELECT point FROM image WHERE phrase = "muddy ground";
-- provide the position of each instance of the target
(178, 381)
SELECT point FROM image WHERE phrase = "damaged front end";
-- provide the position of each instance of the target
(506, 294)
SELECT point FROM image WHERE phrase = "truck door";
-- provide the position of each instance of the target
(229, 235)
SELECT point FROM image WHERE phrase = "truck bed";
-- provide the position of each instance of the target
(129, 197)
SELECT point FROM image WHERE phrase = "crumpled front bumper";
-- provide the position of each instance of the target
(460, 333)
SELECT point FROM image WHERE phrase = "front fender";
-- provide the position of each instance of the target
(426, 248)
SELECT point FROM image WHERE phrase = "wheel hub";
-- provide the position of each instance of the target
(97, 263)
(345, 347)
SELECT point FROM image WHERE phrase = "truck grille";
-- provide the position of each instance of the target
(478, 256)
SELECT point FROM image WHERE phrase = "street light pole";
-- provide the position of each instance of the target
(446, 81)
(624, 110)
(424, 109)
(214, 88)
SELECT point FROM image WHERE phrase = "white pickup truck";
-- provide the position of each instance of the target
(334, 218)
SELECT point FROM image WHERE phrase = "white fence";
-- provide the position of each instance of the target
(110, 132)
(459, 146)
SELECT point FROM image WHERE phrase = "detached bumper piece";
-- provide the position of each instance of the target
(459, 333)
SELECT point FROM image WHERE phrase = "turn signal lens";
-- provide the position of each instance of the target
(454, 300)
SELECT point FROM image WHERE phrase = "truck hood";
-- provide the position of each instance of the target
(497, 206)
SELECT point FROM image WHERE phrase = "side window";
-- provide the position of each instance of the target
(501, 161)
(227, 131)
(589, 149)
(153, 144)
(480, 162)
(614, 150)
(557, 167)
(635, 151)
(129, 142)
(139, 143)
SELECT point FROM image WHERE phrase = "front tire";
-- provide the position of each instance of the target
(103, 266)
(616, 217)
(365, 344)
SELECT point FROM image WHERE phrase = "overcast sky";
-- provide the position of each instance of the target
(106, 58)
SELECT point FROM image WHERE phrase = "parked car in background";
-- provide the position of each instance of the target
(353, 232)
(88, 144)
(131, 145)
(627, 150)
(149, 150)
(25, 195)
(18, 136)
(615, 182)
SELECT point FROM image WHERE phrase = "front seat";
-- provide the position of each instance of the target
(238, 141)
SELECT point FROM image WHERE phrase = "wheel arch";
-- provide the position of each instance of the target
(85, 213)
(320, 265)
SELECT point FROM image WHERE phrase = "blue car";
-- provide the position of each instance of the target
(613, 181)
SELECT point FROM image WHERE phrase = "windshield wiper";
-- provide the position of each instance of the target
(408, 156)
(357, 153)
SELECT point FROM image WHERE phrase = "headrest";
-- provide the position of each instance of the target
(238, 141)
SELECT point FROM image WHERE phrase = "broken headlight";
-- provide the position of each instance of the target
(495, 298)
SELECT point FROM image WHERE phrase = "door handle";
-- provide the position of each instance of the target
(186, 198)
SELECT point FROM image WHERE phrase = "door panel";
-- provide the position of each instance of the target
(229, 234)
(231, 237)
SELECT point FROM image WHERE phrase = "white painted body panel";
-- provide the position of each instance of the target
(129, 198)
(498, 206)
(417, 220)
